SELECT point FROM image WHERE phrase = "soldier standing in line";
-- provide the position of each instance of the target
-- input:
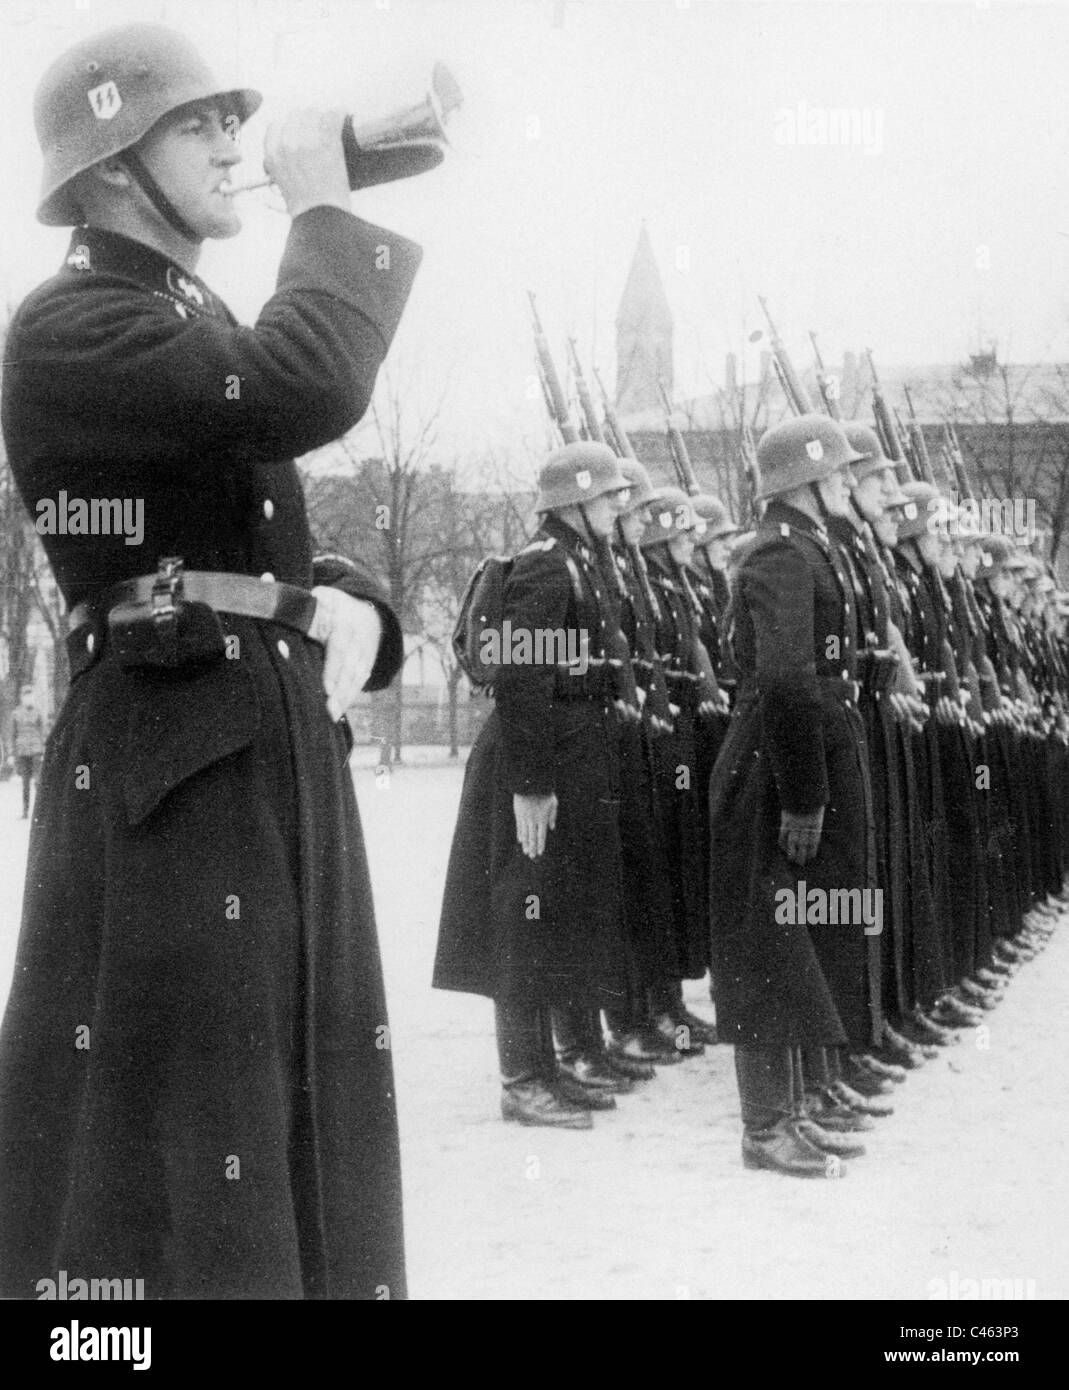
(634, 1041)
(708, 578)
(790, 806)
(193, 1084)
(533, 911)
(950, 812)
(668, 545)
(912, 958)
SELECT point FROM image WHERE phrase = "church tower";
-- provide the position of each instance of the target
(643, 334)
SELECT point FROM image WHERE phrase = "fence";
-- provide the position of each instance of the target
(423, 721)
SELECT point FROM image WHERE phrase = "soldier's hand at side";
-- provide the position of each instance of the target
(799, 834)
(303, 155)
(536, 816)
(350, 629)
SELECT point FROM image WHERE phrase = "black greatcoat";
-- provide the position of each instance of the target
(795, 742)
(543, 931)
(676, 765)
(648, 916)
(197, 893)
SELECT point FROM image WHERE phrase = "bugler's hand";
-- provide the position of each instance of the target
(303, 156)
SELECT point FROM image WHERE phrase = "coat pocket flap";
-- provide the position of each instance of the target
(178, 727)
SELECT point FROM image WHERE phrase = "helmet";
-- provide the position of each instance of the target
(673, 515)
(996, 551)
(867, 442)
(578, 473)
(800, 451)
(642, 489)
(101, 96)
(715, 515)
(923, 502)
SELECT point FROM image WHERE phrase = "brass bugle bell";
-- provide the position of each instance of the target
(406, 142)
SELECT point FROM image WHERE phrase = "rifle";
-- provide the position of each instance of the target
(586, 402)
(552, 391)
(827, 385)
(921, 458)
(677, 447)
(657, 693)
(616, 432)
(957, 462)
(886, 427)
(624, 449)
(791, 382)
(701, 663)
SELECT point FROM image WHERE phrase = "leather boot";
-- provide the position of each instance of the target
(976, 996)
(536, 1103)
(644, 1045)
(865, 1082)
(864, 1105)
(932, 1031)
(841, 1145)
(886, 1070)
(700, 1030)
(896, 1049)
(593, 1073)
(953, 1012)
(830, 1112)
(678, 1035)
(621, 1065)
(583, 1097)
(784, 1148)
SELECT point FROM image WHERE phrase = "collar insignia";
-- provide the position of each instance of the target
(79, 258)
(182, 285)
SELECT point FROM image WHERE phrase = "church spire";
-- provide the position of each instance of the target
(643, 333)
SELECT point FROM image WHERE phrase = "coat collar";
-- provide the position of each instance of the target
(779, 514)
(93, 250)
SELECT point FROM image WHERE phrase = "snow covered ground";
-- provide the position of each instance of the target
(966, 1180)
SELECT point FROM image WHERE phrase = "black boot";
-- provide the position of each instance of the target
(536, 1103)
(785, 1148)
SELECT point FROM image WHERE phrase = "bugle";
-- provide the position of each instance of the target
(406, 142)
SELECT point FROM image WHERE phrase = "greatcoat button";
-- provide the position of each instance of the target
(269, 508)
(283, 648)
(90, 642)
(267, 577)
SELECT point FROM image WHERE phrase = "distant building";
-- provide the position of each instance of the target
(643, 334)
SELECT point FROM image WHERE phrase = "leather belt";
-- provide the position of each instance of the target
(847, 689)
(240, 594)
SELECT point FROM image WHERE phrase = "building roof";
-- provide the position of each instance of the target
(643, 304)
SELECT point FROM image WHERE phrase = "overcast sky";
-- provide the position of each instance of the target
(945, 224)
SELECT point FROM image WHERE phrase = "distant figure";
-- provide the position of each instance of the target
(28, 741)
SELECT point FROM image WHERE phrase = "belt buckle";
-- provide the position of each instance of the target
(166, 590)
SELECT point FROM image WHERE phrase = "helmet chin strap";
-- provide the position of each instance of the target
(586, 523)
(156, 196)
(819, 499)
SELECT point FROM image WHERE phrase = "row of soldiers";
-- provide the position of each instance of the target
(825, 762)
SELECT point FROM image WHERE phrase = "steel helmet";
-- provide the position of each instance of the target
(673, 515)
(715, 515)
(642, 489)
(104, 94)
(923, 502)
(995, 552)
(578, 473)
(800, 451)
(867, 443)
